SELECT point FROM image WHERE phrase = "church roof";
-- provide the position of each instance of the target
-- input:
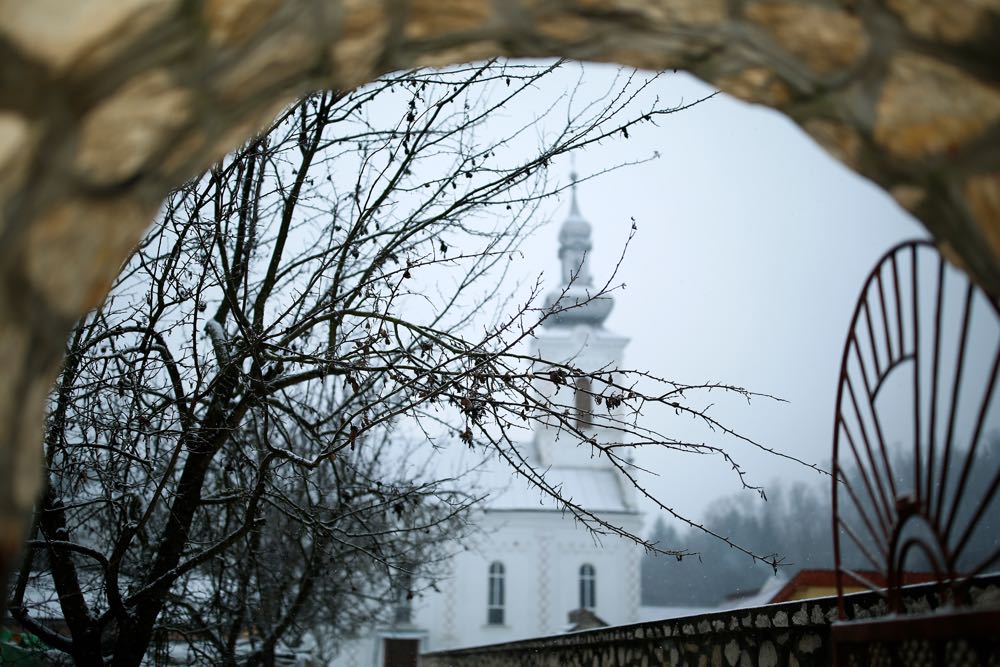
(596, 489)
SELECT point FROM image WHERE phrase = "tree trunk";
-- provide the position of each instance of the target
(136, 634)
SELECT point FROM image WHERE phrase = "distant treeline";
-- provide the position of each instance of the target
(796, 523)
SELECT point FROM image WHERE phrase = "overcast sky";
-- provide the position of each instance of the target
(752, 246)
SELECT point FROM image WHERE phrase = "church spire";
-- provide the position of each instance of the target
(574, 243)
(573, 301)
(574, 208)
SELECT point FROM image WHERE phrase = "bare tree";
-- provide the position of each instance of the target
(224, 429)
(329, 551)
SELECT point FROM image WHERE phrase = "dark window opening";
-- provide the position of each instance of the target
(401, 652)
(584, 403)
(588, 587)
(495, 603)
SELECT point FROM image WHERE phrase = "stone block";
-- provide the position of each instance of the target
(825, 39)
(123, 133)
(912, 123)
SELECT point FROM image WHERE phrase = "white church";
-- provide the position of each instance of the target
(530, 565)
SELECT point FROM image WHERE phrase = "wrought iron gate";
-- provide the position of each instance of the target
(916, 464)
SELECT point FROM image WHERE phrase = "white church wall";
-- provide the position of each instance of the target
(542, 552)
(357, 652)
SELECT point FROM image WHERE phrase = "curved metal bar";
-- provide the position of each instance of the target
(897, 571)
(970, 457)
(977, 516)
(871, 338)
(879, 540)
(885, 317)
(955, 393)
(835, 505)
(985, 563)
(899, 304)
(935, 366)
(868, 449)
(875, 562)
(888, 373)
(882, 511)
(867, 583)
(856, 348)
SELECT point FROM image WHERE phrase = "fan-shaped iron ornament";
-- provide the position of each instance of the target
(916, 460)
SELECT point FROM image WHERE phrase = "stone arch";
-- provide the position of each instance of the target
(107, 104)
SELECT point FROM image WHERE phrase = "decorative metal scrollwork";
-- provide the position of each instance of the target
(916, 459)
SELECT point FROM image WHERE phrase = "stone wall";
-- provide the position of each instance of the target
(791, 633)
(105, 105)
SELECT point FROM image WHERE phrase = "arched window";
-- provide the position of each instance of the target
(494, 607)
(588, 587)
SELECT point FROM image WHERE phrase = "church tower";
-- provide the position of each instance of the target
(531, 565)
(574, 334)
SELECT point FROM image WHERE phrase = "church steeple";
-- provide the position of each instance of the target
(575, 243)
(574, 333)
(573, 302)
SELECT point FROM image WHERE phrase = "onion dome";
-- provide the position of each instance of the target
(573, 303)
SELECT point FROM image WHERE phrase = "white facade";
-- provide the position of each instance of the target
(530, 564)
(542, 553)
